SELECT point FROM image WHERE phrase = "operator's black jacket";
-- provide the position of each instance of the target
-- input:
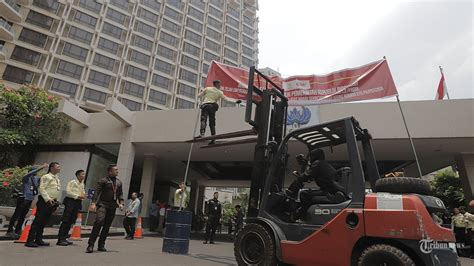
(214, 209)
(322, 173)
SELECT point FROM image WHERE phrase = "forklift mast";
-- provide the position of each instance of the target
(266, 112)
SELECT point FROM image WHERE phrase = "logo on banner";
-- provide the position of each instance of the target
(298, 116)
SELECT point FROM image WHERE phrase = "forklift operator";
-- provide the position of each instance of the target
(324, 175)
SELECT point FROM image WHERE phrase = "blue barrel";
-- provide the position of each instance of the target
(177, 232)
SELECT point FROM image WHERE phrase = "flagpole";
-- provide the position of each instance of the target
(444, 78)
(409, 137)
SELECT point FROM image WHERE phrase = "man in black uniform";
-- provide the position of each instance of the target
(324, 175)
(214, 215)
(107, 197)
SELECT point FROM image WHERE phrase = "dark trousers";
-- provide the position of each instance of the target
(21, 210)
(153, 222)
(129, 225)
(43, 214)
(460, 234)
(470, 240)
(211, 228)
(71, 208)
(208, 110)
(103, 220)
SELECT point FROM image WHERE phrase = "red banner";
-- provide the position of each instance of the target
(371, 81)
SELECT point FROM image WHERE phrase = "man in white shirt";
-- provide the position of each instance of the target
(179, 195)
(131, 215)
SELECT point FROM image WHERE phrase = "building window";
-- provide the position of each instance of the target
(116, 16)
(195, 13)
(188, 76)
(85, 19)
(249, 20)
(100, 79)
(158, 97)
(104, 62)
(233, 22)
(218, 3)
(213, 34)
(213, 46)
(176, 3)
(112, 30)
(193, 37)
(230, 63)
(190, 62)
(247, 51)
(162, 82)
(75, 51)
(191, 49)
(205, 68)
(33, 37)
(210, 56)
(26, 56)
(95, 96)
(136, 73)
(175, 15)
(90, 5)
(183, 104)
(232, 43)
(69, 69)
(216, 12)
(131, 105)
(247, 40)
(145, 29)
(108, 45)
(233, 12)
(39, 20)
(140, 58)
(64, 87)
(17, 75)
(186, 90)
(147, 15)
(249, 30)
(154, 4)
(164, 67)
(247, 62)
(198, 3)
(48, 5)
(168, 38)
(214, 22)
(194, 25)
(133, 89)
(123, 4)
(232, 32)
(166, 52)
(230, 54)
(142, 43)
(151, 108)
(80, 35)
(171, 26)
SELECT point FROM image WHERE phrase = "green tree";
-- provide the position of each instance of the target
(27, 118)
(10, 179)
(447, 187)
(228, 211)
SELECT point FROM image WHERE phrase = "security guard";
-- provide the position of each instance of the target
(49, 189)
(458, 222)
(210, 106)
(214, 213)
(72, 205)
(470, 230)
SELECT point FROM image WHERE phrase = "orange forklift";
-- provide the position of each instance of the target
(377, 221)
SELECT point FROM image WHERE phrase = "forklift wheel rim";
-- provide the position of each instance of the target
(253, 248)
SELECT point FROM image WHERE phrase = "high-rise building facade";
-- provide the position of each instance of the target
(149, 54)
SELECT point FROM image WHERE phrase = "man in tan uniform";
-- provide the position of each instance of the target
(458, 222)
(470, 230)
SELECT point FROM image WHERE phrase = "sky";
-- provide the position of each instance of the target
(318, 37)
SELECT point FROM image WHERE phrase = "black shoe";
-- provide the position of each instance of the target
(31, 245)
(198, 136)
(62, 243)
(10, 234)
(101, 249)
(90, 249)
(205, 242)
(42, 243)
(69, 242)
(129, 238)
(212, 142)
(212, 242)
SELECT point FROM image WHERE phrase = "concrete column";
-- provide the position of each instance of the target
(193, 196)
(200, 199)
(147, 184)
(465, 165)
(125, 160)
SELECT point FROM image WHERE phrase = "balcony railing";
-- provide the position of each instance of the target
(6, 25)
(13, 5)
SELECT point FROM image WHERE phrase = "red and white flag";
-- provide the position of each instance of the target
(442, 88)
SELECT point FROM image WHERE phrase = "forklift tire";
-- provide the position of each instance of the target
(382, 254)
(403, 185)
(254, 245)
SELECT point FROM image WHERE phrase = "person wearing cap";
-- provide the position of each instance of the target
(210, 98)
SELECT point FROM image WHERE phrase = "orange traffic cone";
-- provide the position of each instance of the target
(76, 230)
(26, 230)
(138, 230)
